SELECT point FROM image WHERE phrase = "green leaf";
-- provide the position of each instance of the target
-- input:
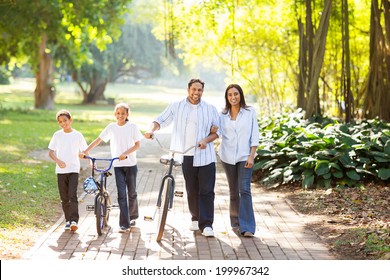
(352, 174)
(381, 159)
(308, 181)
(335, 166)
(384, 173)
(322, 167)
(338, 174)
(265, 164)
(347, 161)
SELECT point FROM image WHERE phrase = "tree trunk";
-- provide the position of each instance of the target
(376, 91)
(96, 91)
(45, 90)
(312, 107)
(346, 64)
(302, 76)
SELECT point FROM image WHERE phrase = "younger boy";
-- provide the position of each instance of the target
(65, 146)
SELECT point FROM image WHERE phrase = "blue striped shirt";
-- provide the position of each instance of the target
(178, 112)
(238, 136)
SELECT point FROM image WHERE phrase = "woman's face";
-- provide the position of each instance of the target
(233, 96)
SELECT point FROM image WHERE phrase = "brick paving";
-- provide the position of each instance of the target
(281, 233)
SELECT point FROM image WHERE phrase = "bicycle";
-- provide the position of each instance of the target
(167, 189)
(102, 203)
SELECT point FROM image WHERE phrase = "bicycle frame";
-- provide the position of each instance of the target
(170, 163)
(167, 190)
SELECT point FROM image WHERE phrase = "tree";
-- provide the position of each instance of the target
(312, 51)
(136, 54)
(346, 64)
(377, 88)
(55, 32)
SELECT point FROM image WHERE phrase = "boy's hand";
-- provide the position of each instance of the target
(61, 164)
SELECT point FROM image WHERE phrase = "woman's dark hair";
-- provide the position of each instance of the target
(242, 98)
(193, 81)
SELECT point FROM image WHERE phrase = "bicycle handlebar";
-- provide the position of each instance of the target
(172, 151)
(111, 160)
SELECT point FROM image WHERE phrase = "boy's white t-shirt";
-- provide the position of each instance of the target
(67, 147)
(121, 139)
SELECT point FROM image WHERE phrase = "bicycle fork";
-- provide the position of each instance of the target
(173, 192)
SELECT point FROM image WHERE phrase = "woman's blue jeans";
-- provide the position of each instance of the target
(126, 178)
(241, 207)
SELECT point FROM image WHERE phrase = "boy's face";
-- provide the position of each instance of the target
(64, 122)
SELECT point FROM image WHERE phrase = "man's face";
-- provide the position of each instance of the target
(195, 93)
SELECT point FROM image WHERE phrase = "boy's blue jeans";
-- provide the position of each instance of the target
(126, 178)
(241, 208)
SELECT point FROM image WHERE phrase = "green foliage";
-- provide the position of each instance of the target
(321, 152)
(4, 76)
(70, 27)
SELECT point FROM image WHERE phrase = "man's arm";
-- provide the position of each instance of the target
(154, 127)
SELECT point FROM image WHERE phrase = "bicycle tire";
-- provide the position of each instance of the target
(99, 213)
(166, 196)
(108, 209)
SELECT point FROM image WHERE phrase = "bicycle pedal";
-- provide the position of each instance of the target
(179, 193)
(90, 207)
(148, 219)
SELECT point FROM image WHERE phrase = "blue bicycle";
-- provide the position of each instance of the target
(102, 205)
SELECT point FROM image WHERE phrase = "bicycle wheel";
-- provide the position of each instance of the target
(108, 209)
(99, 213)
(166, 196)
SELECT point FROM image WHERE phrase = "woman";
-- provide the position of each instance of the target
(240, 139)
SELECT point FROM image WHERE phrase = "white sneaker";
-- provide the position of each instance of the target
(194, 226)
(208, 232)
(73, 226)
(248, 234)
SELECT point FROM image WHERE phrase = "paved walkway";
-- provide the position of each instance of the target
(281, 233)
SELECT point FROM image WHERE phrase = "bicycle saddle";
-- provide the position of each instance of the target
(166, 159)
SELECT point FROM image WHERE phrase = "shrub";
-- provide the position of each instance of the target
(322, 152)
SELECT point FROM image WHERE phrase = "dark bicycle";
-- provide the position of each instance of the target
(167, 189)
(102, 205)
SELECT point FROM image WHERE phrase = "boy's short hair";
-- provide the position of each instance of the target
(63, 112)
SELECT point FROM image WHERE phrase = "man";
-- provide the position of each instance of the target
(192, 121)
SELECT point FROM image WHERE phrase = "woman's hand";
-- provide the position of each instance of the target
(249, 162)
